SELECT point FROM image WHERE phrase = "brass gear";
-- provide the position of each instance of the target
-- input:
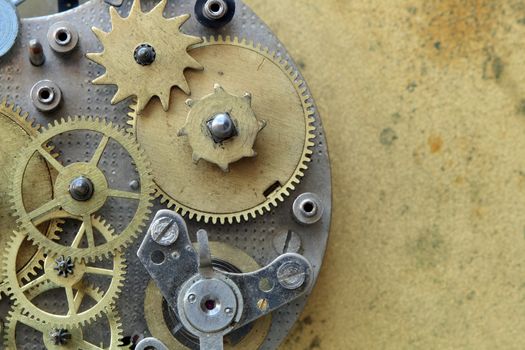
(167, 47)
(77, 341)
(234, 137)
(253, 185)
(22, 292)
(64, 206)
(153, 304)
(16, 129)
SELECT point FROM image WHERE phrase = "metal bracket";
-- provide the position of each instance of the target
(212, 303)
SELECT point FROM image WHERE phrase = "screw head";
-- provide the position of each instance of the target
(291, 275)
(221, 127)
(81, 189)
(192, 298)
(145, 54)
(228, 310)
(134, 185)
(164, 231)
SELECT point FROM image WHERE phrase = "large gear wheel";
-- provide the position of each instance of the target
(145, 55)
(54, 338)
(16, 129)
(72, 283)
(225, 257)
(253, 185)
(80, 190)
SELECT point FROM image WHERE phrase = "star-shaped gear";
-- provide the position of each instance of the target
(145, 55)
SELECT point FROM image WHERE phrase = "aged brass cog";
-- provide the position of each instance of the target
(16, 129)
(58, 338)
(80, 190)
(74, 285)
(145, 55)
(253, 185)
(221, 128)
(223, 254)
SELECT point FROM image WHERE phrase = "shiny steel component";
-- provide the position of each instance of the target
(46, 95)
(81, 189)
(164, 231)
(150, 343)
(62, 37)
(215, 9)
(8, 26)
(212, 303)
(36, 53)
(221, 127)
(214, 13)
(308, 208)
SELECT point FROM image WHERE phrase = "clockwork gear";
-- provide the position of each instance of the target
(70, 288)
(16, 129)
(253, 185)
(145, 55)
(221, 128)
(60, 338)
(80, 190)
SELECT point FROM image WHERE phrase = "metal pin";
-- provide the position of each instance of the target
(36, 53)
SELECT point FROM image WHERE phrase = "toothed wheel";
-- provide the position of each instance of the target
(60, 338)
(252, 185)
(16, 129)
(81, 189)
(145, 55)
(68, 290)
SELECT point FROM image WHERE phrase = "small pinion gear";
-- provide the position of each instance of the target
(145, 55)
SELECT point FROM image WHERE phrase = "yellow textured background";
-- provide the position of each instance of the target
(423, 103)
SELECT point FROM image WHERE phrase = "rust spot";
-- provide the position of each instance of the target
(435, 143)
(454, 29)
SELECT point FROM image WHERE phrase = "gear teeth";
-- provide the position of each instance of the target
(279, 196)
(100, 125)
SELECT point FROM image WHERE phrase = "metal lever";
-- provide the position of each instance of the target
(212, 303)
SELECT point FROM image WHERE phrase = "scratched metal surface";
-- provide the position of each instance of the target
(423, 103)
(81, 98)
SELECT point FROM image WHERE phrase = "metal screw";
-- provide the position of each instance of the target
(145, 54)
(291, 275)
(134, 185)
(60, 336)
(81, 189)
(36, 53)
(228, 310)
(64, 266)
(221, 127)
(215, 9)
(192, 298)
(164, 231)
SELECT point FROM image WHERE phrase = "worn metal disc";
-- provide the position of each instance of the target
(8, 26)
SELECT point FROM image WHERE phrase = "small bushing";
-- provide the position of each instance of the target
(214, 13)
